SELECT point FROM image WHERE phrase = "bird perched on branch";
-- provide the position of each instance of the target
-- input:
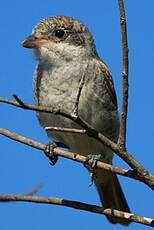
(71, 76)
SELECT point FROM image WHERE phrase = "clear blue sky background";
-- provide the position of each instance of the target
(22, 167)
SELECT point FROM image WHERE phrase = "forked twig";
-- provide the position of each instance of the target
(66, 154)
(142, 173)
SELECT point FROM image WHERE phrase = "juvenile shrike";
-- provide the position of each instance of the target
(66, 51)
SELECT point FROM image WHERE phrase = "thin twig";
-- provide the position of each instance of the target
(142, 173)
(34, 190)
(123, 123)
(76, 157)
(18, 100)
(67, 130)
(75, 111)
(67, 154)
(80, 206)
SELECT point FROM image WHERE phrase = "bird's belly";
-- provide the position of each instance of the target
(78, 143)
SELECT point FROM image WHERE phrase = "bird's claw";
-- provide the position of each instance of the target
(91, 161)
(91, 164)
(49, 152)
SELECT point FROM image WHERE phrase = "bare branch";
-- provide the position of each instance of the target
(141, 172)
(67, 130)
(74, 156)
(123, 123)
(138, 172)
(79, 205)
(75, 112)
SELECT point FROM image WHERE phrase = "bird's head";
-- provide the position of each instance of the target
(60, 38)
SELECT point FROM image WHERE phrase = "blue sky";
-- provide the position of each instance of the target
(21, 167)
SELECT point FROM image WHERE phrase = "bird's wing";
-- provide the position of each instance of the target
(109, 82)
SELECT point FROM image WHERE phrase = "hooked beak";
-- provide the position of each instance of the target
(34, 42)
(30, 42)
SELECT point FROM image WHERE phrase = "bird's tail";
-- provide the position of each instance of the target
(111, 194)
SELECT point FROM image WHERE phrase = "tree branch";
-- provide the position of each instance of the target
(67, 130)
(76, 157)
(141, 172)
(123, 123)
(68, 155)
(75, 111)
(80, 206)
(138, 172)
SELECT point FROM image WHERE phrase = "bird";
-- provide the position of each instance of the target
(67, 56)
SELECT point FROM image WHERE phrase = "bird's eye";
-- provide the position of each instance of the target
(59, 33)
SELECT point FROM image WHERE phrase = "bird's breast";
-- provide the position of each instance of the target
(58, 89)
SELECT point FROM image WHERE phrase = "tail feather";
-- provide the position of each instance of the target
(111, 194)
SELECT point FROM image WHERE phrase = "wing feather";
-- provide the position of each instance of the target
(109, 82)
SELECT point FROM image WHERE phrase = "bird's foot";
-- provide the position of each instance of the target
(91, 161)
(91, 164)
(49, 152)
